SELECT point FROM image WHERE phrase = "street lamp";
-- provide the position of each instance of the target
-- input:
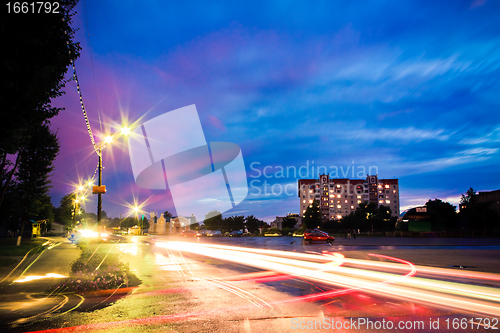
(125, 131)
(107, 139)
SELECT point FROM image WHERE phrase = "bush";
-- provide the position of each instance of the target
(95, 269)
(273, 231)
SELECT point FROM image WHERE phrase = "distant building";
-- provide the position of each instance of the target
(417, 219)
(278, 223)
(490, 196)
(175, 225)
(338, 197)
(57, 228)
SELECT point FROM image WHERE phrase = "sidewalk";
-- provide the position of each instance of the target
(28, 299)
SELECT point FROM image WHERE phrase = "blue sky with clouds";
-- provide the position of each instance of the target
(410, 87)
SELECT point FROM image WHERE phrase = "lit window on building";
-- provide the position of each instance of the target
(338, 185)
(393, 191)
(346, 201)
(387, 186)
(338, 206)
(352, 207)
(310, 201)
(359, 197)
(388, 201)
(338, 195)
(381, 201)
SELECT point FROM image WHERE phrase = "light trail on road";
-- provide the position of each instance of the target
(484, 300)
(397, 279)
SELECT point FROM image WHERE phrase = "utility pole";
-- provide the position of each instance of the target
(99, 195)
(74, 210)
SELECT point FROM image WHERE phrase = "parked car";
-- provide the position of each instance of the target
(315, 235)
(236, 233)
(190, 233)
(215, 233)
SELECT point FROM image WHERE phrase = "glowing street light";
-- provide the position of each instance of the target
(80, 188)
(125, 131)
(107, 139)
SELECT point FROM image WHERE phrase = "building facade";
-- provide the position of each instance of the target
(338, 197)
(493, 197)
(169, 226)
(278, 223)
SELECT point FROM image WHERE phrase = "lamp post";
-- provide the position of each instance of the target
(107, 139)
(99, 183)
(74, 210)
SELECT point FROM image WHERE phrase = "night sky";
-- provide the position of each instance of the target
(409, 88)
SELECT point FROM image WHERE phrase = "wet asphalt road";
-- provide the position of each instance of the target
(186, 292)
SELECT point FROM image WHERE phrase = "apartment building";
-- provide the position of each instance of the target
(339, 197)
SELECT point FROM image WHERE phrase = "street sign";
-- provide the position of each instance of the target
(99, 189)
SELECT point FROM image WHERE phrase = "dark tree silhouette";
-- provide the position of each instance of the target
(312, 216)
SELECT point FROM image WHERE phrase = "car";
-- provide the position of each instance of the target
(215, 233)
(315, 235)
(236, 233)
(190, 233)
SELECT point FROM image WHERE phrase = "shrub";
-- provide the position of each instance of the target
(95, 269)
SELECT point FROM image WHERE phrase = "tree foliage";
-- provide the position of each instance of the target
(214, 222)
(469, 196)
(232, 223)
(252, 223)
(446, 214)
(63, 213)
(366, 216)
(39, 49)
(312, 216)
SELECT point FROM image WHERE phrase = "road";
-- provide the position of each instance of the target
(280, 285)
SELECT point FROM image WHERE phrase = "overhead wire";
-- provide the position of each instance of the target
(89, 129)
(92, 63)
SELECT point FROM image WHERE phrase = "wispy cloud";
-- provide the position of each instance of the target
(491, 137)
